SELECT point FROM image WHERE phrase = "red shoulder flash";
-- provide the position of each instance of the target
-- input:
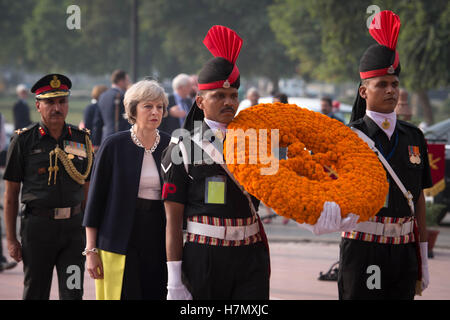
(42, 131)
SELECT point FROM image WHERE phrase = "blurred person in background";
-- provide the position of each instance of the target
(180, 103)
(253, 96)
(4, 264)
(108, 118)
(403, 110)
(280, 97)
(89, 112)
(21, 110)
(326, 107)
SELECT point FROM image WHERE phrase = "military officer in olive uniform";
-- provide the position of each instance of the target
(51, 162)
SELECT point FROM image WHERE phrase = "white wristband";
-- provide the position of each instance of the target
(174, 273)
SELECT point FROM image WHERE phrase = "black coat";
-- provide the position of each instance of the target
(107, 114)
(114, 189)
(21, 112)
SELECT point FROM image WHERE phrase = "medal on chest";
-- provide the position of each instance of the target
(414, 154)
(74, 148)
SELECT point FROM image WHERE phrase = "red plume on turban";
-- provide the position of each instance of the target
(385, 28)
(225, 45)
(223, 42)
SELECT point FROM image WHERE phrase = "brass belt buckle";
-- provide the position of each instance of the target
(62, 213)
(392, 229)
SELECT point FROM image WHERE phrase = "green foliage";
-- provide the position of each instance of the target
(48, 44)
(433, 210)
(319, 39)
(424, 43)
(12, 17)
(328, 37)
(171, 32)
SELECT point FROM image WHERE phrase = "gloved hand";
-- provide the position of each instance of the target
(349, 223)
(424, 257)
(176, 290)
(330, 220)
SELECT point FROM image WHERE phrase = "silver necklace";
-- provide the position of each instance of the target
(139, 144)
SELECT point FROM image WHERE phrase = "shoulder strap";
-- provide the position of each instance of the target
(184, 155)
(217, 156)
(407, 194)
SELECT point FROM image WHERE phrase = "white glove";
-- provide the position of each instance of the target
(349, 223)
(176, 290)
(330, 220)
(424, 257)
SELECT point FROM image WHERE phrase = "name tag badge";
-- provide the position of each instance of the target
(75, 148)
(215, 190)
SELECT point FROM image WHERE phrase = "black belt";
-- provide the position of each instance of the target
(55, 213)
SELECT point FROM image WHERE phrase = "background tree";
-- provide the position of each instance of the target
(342, 32)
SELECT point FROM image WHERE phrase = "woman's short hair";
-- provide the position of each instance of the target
(145, 90)
(97, 91)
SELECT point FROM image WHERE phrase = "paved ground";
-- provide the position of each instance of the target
(295, 268)
(297, 259)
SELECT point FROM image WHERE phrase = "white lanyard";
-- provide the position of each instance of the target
(371, 144)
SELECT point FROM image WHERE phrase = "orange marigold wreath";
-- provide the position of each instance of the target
(300, 187)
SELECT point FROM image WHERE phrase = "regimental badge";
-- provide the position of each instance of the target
(75, 148)
(414, 154)
(55, 83)
(226, 84)
(385, 124)
(391, 70)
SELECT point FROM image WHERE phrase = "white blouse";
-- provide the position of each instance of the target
(149, 185)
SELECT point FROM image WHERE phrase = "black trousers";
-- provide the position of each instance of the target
(226, 273)
(145, 275)
(47, 243)
(361, 262)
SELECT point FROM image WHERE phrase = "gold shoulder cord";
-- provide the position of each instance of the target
(68, 164)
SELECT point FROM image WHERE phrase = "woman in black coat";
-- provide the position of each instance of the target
(124, 217)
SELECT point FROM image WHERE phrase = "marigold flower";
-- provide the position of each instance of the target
(302, 183)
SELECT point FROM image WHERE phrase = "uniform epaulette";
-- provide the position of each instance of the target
(20, 131)
(26, 129)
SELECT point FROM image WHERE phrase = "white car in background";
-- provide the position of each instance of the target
(344, 112)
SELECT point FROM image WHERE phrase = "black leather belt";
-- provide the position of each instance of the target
(56, 213)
